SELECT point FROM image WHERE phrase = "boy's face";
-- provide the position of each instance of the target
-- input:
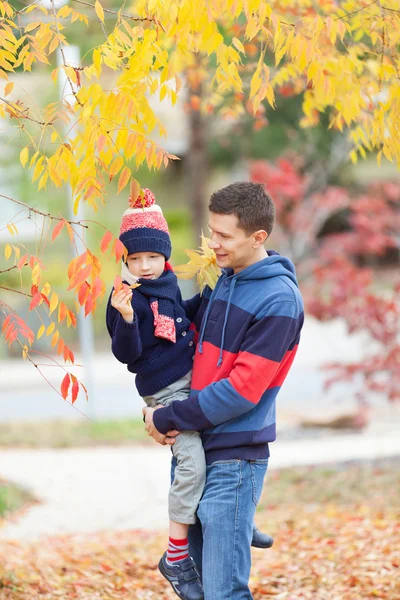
(232, 246)
(146, 265)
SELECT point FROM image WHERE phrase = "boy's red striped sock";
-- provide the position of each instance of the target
(177, 550)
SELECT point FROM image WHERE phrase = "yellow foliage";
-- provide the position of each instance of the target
(346, 55)
(202, 264)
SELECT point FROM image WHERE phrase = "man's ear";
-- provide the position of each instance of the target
(259, 238)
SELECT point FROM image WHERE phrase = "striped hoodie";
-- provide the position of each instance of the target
(248, 331)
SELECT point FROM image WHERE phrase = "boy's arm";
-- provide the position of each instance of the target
(267, 350)
(126, 343)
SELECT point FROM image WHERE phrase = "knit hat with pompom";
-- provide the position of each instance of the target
(143, 227)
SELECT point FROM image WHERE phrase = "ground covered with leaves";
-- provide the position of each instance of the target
(337, 537)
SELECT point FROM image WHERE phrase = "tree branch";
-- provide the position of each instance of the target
(11, 268)
(39, 212)
(16, 291)
(24, 114)
(347, 15)
(130, 17)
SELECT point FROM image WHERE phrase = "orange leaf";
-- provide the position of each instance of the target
(123, 178)
(85, 390)
(57, 229)
(119, 250)
(65, 386)
(22, 261)
(105, 242)
(62, 312)
(83, 293)
(75, 388)
(60, 347)
(72, 317)
(97, 287)
(118, 283)
(88, 305)
(80, 277)
(35, 301)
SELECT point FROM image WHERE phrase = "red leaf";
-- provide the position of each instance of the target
(57, 229)
(12, 337)
(65, 386)
(75, 388)
(46, 300)
(32, 261)
(105, 242)
(6, 323)
(35, 301)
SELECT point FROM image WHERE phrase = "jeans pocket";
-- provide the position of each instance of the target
(258, 468)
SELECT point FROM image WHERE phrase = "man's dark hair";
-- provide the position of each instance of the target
(249, 201)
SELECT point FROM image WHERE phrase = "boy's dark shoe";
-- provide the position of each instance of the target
(183, 577)
(260, 539)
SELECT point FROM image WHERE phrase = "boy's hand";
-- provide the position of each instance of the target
(121, 301)
(164, 440)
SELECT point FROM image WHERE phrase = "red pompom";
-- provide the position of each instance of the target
(149, 200)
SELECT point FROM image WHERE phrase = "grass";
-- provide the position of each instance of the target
(12, 498)
(67, 434)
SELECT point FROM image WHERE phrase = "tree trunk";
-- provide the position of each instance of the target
(197, 171)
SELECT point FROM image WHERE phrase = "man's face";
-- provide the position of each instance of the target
(232, 246)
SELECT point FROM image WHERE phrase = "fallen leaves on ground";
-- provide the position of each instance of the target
(337, 537)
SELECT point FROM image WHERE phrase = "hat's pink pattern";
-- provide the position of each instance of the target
(151, 219)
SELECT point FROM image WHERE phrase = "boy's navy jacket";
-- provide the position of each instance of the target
(157, 362)
(247, 334)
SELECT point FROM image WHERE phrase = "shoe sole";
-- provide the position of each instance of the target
(164, 574)
(262, 547)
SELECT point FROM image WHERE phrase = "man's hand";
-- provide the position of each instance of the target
(164, 440)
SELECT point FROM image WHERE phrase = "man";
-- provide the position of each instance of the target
(249, 330)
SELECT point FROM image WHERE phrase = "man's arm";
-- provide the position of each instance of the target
(267, 351)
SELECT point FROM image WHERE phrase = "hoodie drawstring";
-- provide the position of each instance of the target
(212, 298)
(221, 349)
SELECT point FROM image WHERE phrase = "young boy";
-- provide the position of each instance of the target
(150, 331)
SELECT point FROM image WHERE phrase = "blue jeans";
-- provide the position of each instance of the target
(221, 538)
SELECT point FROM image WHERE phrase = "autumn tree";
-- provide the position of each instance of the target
(327, 259)
(341, 57)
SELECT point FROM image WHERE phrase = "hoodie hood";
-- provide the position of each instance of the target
(274, 265)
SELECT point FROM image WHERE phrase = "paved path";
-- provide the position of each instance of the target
(84, 490)
(26, 396)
